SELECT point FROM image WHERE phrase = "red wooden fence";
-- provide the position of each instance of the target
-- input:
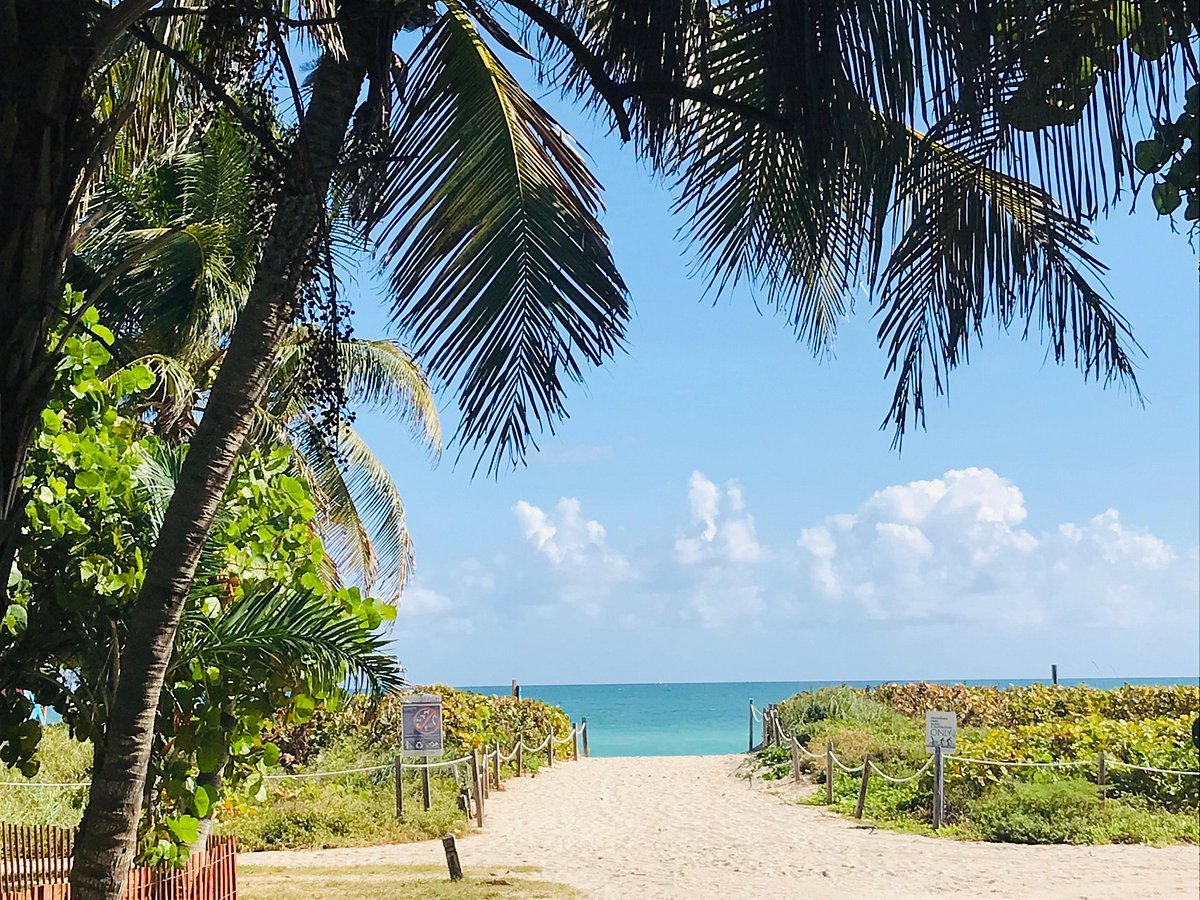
(35, 864)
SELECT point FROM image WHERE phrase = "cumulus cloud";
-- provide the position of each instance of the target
(567, 538)
(954, 548)
(728, 537)
(586, 569)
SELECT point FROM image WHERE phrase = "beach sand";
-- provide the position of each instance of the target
(687, 827)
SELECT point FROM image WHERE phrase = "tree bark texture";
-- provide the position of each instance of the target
(107, 836)
(47, 135)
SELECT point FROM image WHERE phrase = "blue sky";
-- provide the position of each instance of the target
(721, 506)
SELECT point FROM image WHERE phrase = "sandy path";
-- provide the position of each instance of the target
(685, 827)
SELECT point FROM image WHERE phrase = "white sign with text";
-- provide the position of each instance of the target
(941, 730)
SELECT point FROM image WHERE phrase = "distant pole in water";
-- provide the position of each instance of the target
(516, 689)
(1054, 674)
(750, 739)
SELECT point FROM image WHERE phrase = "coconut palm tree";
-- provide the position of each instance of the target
(943, 153)
(191, 224)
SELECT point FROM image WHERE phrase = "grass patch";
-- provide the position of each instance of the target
(63, 760)
(394, 883)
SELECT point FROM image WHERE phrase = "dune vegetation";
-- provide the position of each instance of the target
(1150, 727)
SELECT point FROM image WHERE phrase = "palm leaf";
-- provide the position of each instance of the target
(501, 272)
(268, 632)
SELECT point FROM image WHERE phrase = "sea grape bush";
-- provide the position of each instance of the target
(1013, 706)
(1162, 743)
(470, 720)
(1140, 725)
(95, 484)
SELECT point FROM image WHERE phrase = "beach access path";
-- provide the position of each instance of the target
(688, 827)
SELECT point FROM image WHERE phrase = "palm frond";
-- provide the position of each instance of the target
(276, 631)
(362, 524)
(378, 375)
(501, 271)
(978, 245)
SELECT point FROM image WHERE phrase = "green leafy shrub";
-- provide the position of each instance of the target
(1070, 812)
(1164, 743)
(1014, 706)
(775, 762)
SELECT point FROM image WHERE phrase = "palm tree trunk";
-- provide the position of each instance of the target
(107, 836)
(46, 137)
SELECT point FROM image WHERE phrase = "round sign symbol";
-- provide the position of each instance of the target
(427, 720)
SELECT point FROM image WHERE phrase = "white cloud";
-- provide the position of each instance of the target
(566, 539)
(725, 538)
(422, 601)
(705, 499)
(585, 569)
(952, 549)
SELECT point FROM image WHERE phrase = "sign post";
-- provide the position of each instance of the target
(941, 735)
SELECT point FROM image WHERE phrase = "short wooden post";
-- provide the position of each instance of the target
(939, 788)
(496, 766)
(750, 739)
(464, 800)
(520, 757)
(399, 788)
(575, 741)
(1101, 773)
(483, 762)
(862, 788)
(584, 728)
(764, 727)
(477, 787)
(1054, 674)
(516, 689)
(452, 862)
(426, 799)
(829, 772)
(795, 748)
(550, 748)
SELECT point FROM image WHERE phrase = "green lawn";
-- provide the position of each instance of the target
(381, 882)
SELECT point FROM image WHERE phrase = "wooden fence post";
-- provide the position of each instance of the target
(476, 786)
(795, 748)
(750, 739)
(550, 747)
(426, 800)
(399, 788)
(939, 788)
(575, 741)
(452, 862)
(496, 765)
(483, 761)
(829, 772)
(520, 757)
(1100, 777)
(862, 788)
(585, 738)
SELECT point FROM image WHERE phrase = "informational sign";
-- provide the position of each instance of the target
(941, 730)
(421, 725)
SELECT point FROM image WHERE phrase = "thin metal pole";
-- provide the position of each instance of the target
(939, 788)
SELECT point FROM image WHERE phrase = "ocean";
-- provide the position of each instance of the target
(705, 718)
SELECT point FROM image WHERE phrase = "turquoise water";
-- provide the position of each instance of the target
(699, 719)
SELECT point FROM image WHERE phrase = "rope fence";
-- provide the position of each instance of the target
(774, 734)
(482, 765)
